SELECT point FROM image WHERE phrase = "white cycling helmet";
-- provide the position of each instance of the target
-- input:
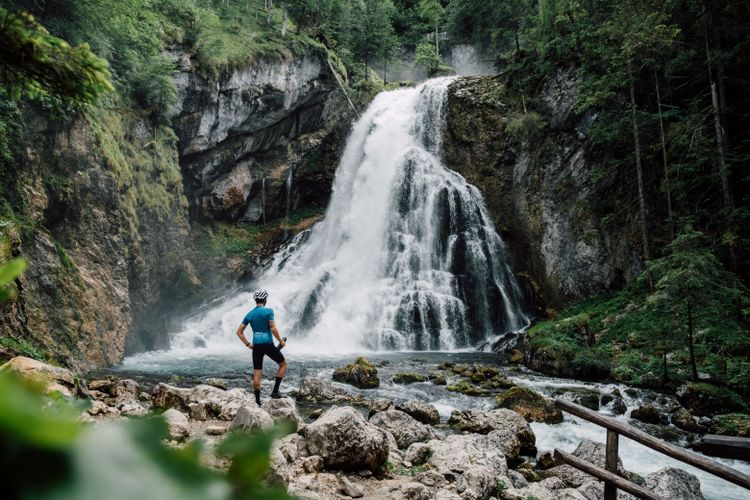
(260, 294)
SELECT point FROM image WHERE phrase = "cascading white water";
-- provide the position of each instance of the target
(406, 258)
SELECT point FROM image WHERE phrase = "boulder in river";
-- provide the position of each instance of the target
(405, 428)
(682, 419)
(466, 387)
(647, 413)
(345, 440)
(595, 453)
(361, 373)
(425, 413)
(588, 398)
(674, 484)
(531, 405)
(317, 390)
(49, 378)
(408, 378)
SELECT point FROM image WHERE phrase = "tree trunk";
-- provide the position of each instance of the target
(268, 5)
(518, 43)
(691, 346)
(385, 70)
(639, 173)
(664, 375)
(726, 193)
(667, 187)
(283, 19)
(437, 37)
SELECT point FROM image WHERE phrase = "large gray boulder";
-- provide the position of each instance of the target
(251, 417)
(345, 440)
(510, 427)
(417, 453)
(548, 489)
(458, 453)
(596, 453)
(177, 422)
(405, 429)
(425, 413)
(283, 409)
(218, 403)
(674, 484)
(477, 483)
(49, 378)
(317, 390)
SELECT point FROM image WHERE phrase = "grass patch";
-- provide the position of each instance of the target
(22, 347)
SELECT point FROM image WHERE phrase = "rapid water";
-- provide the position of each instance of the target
(407, 256)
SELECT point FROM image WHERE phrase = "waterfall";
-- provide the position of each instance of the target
(407, 256)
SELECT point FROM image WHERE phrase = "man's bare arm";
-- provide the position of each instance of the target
(275, 332)
(241, 335)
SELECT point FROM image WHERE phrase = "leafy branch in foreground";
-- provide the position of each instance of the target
(116, 460)
(35, 63)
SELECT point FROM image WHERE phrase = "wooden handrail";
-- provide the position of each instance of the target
(605, 475)
(681, 454)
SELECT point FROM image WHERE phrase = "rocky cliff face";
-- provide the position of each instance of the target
(245, 139)
(108, 205)
(546, 187)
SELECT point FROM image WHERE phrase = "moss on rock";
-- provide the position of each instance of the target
(531, 405)
(361, 373)
(465, 387)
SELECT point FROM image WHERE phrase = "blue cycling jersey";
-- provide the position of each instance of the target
(258, 319)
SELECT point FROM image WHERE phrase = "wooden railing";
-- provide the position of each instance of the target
(615, 428)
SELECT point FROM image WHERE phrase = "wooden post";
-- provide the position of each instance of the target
(610, 489)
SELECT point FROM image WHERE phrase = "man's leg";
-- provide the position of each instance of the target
(257, 372)
(256, 384)
(275, 354)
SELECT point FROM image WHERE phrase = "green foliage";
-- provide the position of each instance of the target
(372, 35)
(500, 487)
(36, 63)
(9, 271)
(526, 126)
(21, 347)
(632, 332)
(103, 461)
(427, 58)
(64, 259)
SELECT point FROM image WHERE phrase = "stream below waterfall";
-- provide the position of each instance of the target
(193, 367)
(407, 269)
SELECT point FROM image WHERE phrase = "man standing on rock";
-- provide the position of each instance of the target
(263, 325)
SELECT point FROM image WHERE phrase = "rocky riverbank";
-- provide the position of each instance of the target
(345, 445)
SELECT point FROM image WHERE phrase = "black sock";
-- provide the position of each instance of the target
(257, 396)
(277, 384)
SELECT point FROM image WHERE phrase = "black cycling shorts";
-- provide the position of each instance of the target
(266, 349)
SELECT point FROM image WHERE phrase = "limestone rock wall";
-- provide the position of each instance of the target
(566, 217)
(244, 138)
